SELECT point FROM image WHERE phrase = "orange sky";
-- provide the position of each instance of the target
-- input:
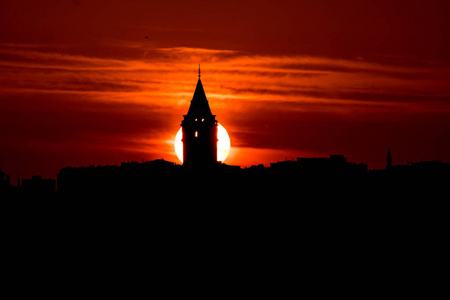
(80, 85)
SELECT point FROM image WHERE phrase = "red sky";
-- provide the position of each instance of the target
(80, 85)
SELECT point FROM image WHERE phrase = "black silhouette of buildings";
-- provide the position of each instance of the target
(302, 178)
(199, 129)
(38, 185)
(27, 187)
(415, 172)
(417, 180)
(5, 179)
(128, 178)
(336, 166)
(388, 159)
(160, 176)
(5, 184)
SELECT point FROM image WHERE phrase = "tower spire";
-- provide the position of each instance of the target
(389, 159)
(199, 131)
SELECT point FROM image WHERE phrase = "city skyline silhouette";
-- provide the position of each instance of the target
(291, 80)
(201, 172)
(338, 119)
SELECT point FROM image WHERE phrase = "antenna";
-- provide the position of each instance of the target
(199, 71)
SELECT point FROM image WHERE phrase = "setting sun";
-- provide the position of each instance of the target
(223, 145)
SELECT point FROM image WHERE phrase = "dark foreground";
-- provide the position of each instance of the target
(228, 233)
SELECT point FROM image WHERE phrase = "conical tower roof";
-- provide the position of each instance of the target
(199, 104)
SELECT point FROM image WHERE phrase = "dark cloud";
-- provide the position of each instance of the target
(330, 95)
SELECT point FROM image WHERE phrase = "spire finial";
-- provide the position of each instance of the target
(199, 71)
(389, 159)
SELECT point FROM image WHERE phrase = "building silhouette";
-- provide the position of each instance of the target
(160, 178)
(336, 167)
(199, 129)
(149, 178)
(29, 188)
(38, 186)
(5, 179)
(305, 178)
(388, 159)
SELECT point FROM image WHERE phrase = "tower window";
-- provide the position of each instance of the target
(203, 120)
(196, 120)
(196, 134)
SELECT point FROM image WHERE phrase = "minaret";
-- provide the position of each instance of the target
(388, 159)
(199, 131)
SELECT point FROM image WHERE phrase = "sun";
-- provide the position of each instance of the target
(223, 145)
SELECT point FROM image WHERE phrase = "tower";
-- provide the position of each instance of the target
(199, 131)
(388, 159)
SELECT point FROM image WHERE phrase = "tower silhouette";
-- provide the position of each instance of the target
(199, 131)
(388, 159)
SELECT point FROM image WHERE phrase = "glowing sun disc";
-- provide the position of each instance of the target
(223, 144)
